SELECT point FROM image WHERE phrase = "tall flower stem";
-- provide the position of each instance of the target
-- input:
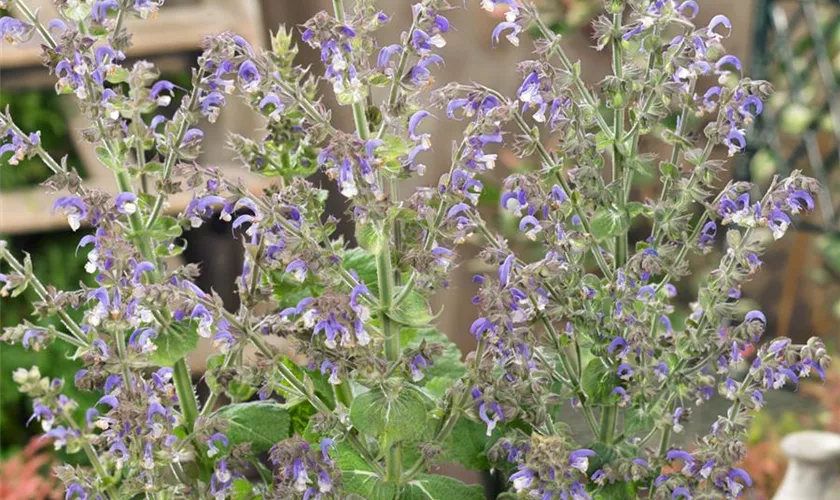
(610, 413)
(385, 275)
(618, 166)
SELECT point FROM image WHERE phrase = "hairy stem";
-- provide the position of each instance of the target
(186, 396)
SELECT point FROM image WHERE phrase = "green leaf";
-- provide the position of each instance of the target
(166, 228)
(413, 311)
(289, 291)
(619, 490)
(603, 456)
(364, 263)
(598, 382)
(448, 365)
(669, 170)
(118, 75)
(635, 209)
(242, 490)
(468, 444)
(261, 424)
(609, 222)
(359, 478)
(435, 487)
(638, 422)
(603, 141)
(174, 343)
(369, 237)
(392, 417)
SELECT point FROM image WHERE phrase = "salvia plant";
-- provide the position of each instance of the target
(582, 334)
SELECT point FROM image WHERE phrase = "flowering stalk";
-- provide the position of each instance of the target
(385, 393)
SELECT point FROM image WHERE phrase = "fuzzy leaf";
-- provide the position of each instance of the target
(369, 237)
(608, 223)
(447, 367)
(598, 382)
(669, 170)
(637, 422)
(414, 311)
(394, 417)
(467, 445)
(436, 487)
(242, 490)
(260, 424)
(618, 490)
(364, 263)
(359, 478)
(173, 344)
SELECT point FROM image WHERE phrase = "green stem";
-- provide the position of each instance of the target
(549, 161)
(42, 30)
(618, 173)
(580, 86)
(41, 290)
(93, 458)
(186, 396)
(173, 153)
(607, 426)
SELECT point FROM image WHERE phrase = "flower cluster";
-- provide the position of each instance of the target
(572, 316)
(302, 470)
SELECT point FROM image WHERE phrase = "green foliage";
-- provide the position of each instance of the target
(261, 424)
(468, 445)
(608, 223)
(394, 417)
(447, 367)
(37, 110)
(177, 342)
(598, 381)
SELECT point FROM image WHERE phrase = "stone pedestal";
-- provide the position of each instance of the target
(813, 467)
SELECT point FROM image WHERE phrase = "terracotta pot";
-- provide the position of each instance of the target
(813, 468)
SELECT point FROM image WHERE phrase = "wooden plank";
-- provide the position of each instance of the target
(177, 28)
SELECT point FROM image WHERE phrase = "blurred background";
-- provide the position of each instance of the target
(794, 44)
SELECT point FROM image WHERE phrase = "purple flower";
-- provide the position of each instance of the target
(193, 136)
(15, 31)
(733, 485)
(799, 200)
(681, 493)
(755, 316)
(580, 459)
(126, 203)
(523, 479)
(385, 55)
(75, 492)
(625, 371)
(505, 268)
(417, 364)
(328, 366)
(100, 9)
(297, 269)
(414, 122)
(688, 460)
(512, 37)
(719, 20)
(73, 208)
(43, 414)
(160, 87)
(109, 400)
(216, 442)
(707, 234)
(250, 76)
